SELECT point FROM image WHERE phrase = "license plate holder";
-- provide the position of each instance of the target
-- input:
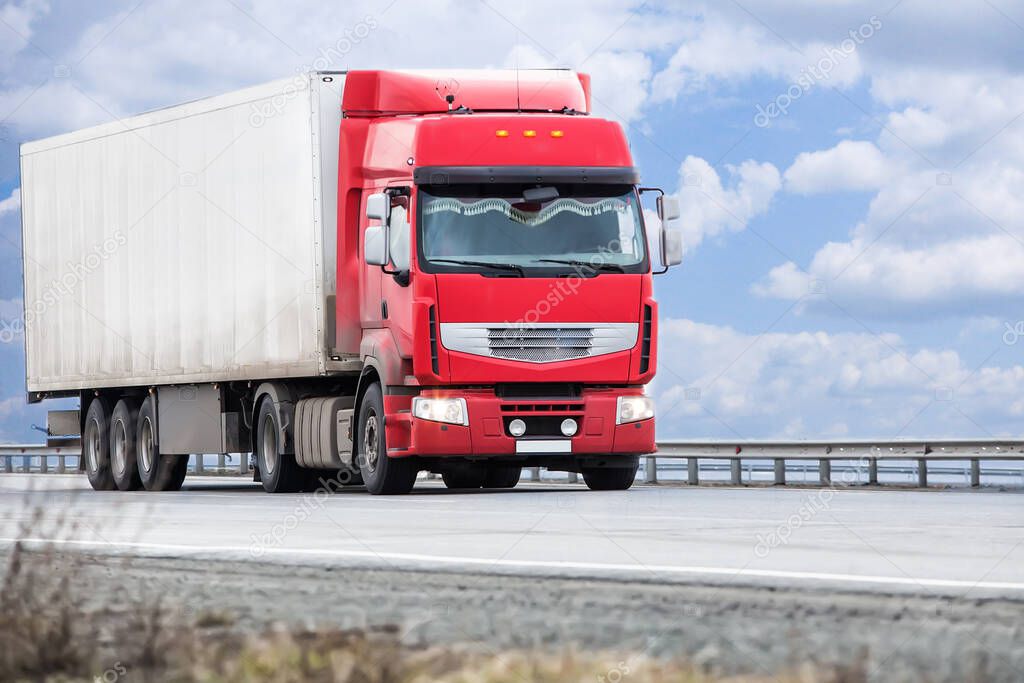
(544, 446)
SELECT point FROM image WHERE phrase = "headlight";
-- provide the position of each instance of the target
(633, 409)
(450, 410)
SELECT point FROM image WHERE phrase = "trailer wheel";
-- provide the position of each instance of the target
(124, 463)
(96, 445)
(502, 476)
(278, 471)
(382, 475)
(157, 472)
(609, 478)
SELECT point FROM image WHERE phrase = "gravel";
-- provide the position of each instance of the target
(725, 630)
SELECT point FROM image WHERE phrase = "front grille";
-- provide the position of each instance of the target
(540, 344)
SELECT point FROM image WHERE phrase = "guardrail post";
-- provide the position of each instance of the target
(8, 463)
(62, 463)
(692, 472)
(825, 472)
(651, 470)
(975, 472)
(780, 472)
(735, 472)
(534, 474)
(198, 466)
(26, 463)
(243, 464)
(872, 471)
(220, 463)
(922, 473)
(44, 466)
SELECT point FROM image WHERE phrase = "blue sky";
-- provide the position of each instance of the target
(852, 264)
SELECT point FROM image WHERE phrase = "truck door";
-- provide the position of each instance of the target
(398, 295)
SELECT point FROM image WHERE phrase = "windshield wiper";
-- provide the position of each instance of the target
(512, 267)
(613, 267)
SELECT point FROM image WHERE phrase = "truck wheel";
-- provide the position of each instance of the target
(502, 476)
(124, 463)
(96, 445)
(609, 478)
(278, 471)
(465, 476)
(381, 474)
(157, 472)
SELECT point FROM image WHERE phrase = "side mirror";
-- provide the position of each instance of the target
(378, 207)
(671, 247)
(375, 244)
(668, 208)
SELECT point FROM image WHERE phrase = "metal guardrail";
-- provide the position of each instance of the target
(20, 458)
(865, 452)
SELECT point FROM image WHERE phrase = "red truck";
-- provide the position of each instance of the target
(365, 273)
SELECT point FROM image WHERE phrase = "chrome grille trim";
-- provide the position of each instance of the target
(539, 342)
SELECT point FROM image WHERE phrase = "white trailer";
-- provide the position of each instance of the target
(143, 239)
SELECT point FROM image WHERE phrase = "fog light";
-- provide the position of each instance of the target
(517, 427)
(569, 426)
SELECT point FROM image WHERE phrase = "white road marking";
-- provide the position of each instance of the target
(595, 567)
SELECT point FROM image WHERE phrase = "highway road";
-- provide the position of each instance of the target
(946, 543)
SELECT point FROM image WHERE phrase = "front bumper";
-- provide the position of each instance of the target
(487, 433)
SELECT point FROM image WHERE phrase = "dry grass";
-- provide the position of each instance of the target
(47, 632)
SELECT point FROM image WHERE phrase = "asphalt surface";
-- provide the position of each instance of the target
(892, 585)
(948, 543)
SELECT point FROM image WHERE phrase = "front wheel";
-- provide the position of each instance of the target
(382, 475)
(609, 478)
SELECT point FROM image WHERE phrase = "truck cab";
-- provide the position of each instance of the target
(506, 311)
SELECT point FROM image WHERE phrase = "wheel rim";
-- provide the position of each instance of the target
(119, 452)
(270, 445)
(92, 447)
(146, 445)
(370, 442)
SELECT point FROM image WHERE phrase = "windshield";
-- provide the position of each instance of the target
(553, 230)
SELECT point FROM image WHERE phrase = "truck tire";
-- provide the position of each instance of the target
(609, 478)
(382, 475)
(465, 476)
(124, 463)
(279, 472)
(502, 476)
(157, 472)
(96, 445)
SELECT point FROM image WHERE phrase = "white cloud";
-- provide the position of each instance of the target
(711, 207)
(12, 203)
(716, 50)
(850, 165)
(18, 19)
(718, 381)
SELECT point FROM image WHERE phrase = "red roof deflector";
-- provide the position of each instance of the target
(390, 93)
